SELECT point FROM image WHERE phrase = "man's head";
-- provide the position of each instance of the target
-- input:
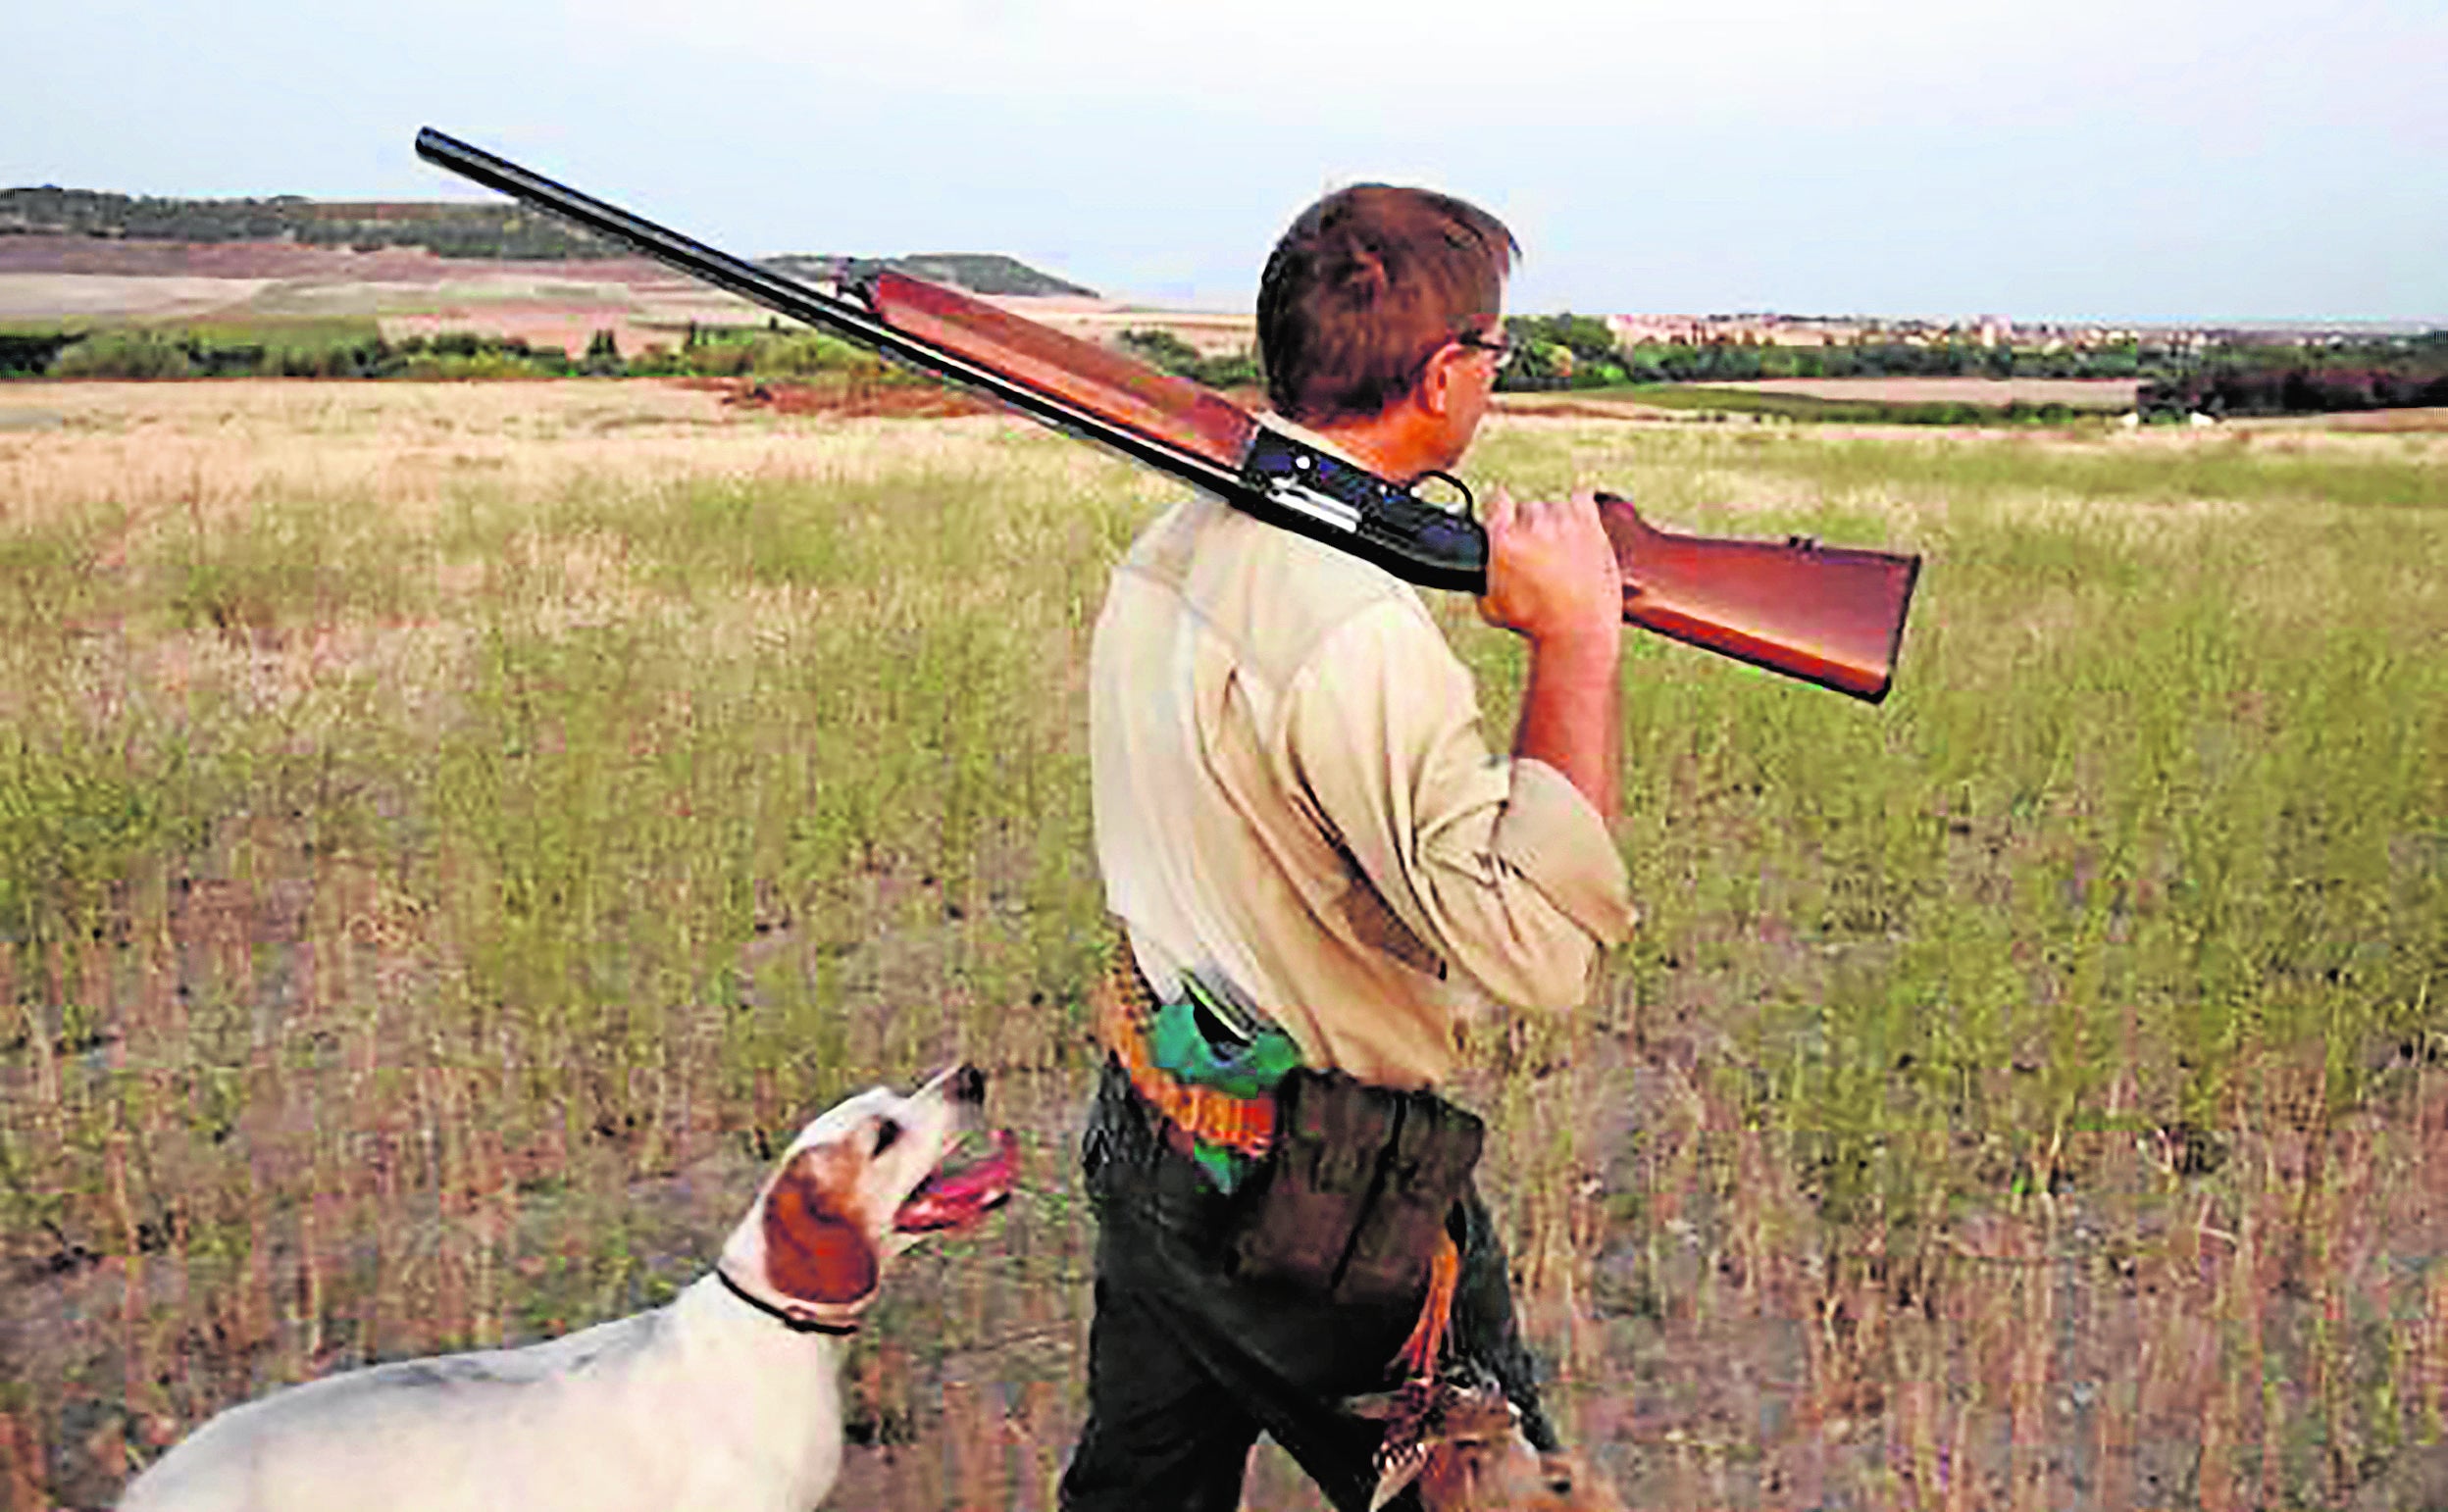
(1370, 288)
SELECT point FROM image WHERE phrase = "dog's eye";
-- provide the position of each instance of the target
(887, 1132)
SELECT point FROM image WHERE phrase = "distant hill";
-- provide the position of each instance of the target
(980, 273)
(506, 229)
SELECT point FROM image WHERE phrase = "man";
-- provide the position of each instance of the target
(1312, 848)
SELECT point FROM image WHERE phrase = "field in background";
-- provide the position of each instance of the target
(449, 834)
(1908, 401)
(2073, 393)
(271, 292)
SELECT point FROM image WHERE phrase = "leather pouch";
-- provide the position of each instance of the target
(1355, 1188)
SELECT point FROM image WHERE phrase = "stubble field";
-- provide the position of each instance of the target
(449, 834)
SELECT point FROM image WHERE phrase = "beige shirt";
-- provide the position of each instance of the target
(1293, 795)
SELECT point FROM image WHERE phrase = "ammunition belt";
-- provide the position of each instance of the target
(1125, 1003)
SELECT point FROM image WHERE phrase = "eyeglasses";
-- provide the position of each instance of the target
(1502, 346)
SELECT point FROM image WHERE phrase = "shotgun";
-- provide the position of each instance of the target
(1828, 614)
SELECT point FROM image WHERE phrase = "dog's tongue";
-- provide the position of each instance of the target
(957, 1195)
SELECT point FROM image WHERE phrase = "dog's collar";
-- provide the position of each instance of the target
(795, 1325)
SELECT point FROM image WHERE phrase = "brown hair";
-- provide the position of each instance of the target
(1363, 290)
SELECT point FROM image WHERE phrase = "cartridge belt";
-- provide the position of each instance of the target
(1126, 1006)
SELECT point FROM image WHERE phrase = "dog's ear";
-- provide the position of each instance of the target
(814, 1249)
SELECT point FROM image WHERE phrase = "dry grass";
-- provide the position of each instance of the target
(445, 834)
(2399, 422)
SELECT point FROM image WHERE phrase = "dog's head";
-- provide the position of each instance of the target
(861, 1184)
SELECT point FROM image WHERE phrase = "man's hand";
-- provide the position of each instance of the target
(1552, 578)
(1551, 574)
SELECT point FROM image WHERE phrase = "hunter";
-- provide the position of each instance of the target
(1321, 870)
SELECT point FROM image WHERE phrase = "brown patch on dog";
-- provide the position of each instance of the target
(814, 1250)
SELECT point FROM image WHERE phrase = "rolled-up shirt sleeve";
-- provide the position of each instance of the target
(1500, 866)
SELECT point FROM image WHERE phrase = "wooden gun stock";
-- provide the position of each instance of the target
(1831, 616)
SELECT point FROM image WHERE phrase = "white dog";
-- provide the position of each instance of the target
(725, 1400)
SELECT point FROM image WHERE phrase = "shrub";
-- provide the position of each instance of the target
(124, 354)
(1163, 350)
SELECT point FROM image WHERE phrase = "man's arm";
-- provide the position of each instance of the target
(1553, 578)
(1503, 869)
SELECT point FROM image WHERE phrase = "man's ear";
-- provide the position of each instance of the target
(1434, 392)
(814, 1249)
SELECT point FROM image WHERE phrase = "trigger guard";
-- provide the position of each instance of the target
(1470, 502)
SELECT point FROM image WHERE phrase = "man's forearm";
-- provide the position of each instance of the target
(1573, 715)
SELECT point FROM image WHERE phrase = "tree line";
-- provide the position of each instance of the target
(2227, 377)
(144, 353)
(1581, 351)
(2400, 373)
(1552, 352)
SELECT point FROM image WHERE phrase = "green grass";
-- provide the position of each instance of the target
(527, 851)
(300, 332)
(294, 332)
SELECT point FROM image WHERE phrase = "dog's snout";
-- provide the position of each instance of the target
(968, 1085)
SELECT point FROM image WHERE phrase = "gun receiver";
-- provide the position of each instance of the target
(1830, 616)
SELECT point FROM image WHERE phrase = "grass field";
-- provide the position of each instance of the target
(299, 332)
(450, 833)
(2109, 394)
(1879, 401)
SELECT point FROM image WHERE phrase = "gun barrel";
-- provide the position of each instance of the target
(788, 296)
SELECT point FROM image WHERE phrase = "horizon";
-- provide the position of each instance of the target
(2197, 164)
(2374, 326)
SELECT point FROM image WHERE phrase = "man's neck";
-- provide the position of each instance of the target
(1394, 445)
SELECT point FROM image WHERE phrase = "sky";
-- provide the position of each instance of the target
(2083, 159)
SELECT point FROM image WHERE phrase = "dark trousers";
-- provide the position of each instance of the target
(1187, 1365)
